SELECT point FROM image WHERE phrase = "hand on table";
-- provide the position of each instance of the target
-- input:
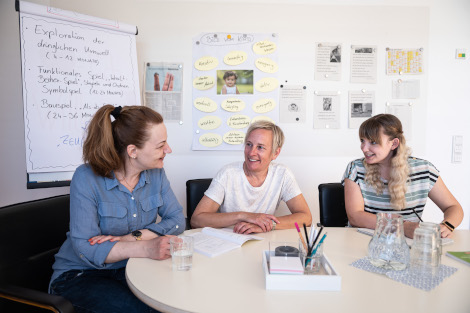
(264, 221)
(445, 232)
(159, 248)
(246, 228)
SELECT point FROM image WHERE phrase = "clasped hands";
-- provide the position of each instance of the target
(255, 223)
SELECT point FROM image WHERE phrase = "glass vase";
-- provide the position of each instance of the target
(388, 248)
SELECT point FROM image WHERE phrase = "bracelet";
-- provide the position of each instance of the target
(274, 226)
(448, 225)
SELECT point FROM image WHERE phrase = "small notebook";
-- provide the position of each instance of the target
(461, 256)
(409, 241)
(285, 265)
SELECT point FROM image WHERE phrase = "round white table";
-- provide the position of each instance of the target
(234, 282)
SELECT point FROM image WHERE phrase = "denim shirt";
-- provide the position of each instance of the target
(103, 206)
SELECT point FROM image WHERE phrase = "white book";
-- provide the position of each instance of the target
(213, 242)
(409, 241)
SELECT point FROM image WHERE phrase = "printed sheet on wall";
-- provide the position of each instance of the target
(234, 84)
(72, 65)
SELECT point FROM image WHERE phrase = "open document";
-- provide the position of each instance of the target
(213, 242)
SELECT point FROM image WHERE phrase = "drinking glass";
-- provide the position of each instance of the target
(182, 248)
(424, 255)
(437, 233)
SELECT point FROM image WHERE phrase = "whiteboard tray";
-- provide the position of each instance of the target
(328, 279)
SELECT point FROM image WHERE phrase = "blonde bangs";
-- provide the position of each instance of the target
(371, 130)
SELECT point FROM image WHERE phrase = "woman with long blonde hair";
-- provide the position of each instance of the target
(389, 179)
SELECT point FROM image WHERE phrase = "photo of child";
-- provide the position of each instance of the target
(234, 82)
(230, 87)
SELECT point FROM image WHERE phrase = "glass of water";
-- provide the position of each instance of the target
(437, 234)
(425, 257)
(182, 248)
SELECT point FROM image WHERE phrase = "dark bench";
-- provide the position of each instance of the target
(31, 233)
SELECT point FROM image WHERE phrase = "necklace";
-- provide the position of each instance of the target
(131, 188)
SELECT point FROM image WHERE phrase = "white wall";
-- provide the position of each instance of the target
(449, 100)
(315, 156)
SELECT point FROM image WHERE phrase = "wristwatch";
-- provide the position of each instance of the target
(274, 226)
(137, 235)
(448, 225)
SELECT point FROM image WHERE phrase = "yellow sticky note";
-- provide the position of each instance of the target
(264, 47)
(233, 105)
(235, 57)
(209, 122)
(234, 137)
(266, 65)
(238, 121)
(204, 82)
(266, 84)
(264, 105)
(206, 63)
(205, 104)
(210, 140)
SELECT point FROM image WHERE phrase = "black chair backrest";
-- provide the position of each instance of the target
(195, 189)
(31, 233)
(332, 208)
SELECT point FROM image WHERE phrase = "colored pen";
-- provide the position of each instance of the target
(319, 244)
(315, 241)
(300, 235)
(306, 236)
(311, 236)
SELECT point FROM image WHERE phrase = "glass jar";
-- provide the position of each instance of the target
(388, 248)
(425, 257)
(437, 234)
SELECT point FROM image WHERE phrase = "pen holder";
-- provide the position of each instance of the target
(312, 263)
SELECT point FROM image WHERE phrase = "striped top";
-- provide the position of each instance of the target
(423, 175)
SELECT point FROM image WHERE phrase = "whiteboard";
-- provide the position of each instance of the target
(72, 64)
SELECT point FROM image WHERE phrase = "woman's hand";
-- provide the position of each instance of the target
(445, 232)
(159, 248)
(264, 221)
(245, 228)
(102, 238)
(409, 228)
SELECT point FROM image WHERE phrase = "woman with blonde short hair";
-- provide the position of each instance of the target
(246, 194)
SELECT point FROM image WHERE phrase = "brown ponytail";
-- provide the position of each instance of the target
(105, 147)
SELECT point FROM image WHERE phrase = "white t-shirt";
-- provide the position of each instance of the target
(230, 188)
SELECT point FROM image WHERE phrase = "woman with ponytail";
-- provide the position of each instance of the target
(389, 179)
(115, 200)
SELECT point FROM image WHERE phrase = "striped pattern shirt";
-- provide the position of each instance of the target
(423, 175)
